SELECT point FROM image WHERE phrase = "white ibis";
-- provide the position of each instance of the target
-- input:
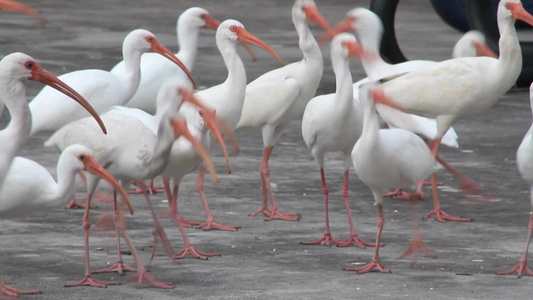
(333, 123)
(156, 69)
(102, 88)
(226, 98)
(22, 8)
(388, 158)
(471, 44)
(524, 162)
(28, 187)
(461, 87)
(128, 157)
(15, 70)
(280, 96)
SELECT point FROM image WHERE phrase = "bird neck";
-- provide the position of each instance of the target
(236, 79)
(132, 77)
(307, 42)
(18, 130)
(369, 136)
(188, 42)
(510, 60)
(375, 67)
(65, 181)
(344, 84)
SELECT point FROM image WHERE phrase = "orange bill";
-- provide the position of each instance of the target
(344, 26)
(91, 165)
(180, 129)
(518, 12)
(21, 8)
(210, 22)
(313, 15)
(210, 120)
(250, 50)
(38, 73)
(245, 36)
(354, 49)
(157, 47)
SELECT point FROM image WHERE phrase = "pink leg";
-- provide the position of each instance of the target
(189, 248)
(151, 189)
(210, 223)
(417, 245)
(87, 279)
(274, 213)
(522, 264)
(326, 239)
(437, 211)
(264, 200)
(7, 292)
(173, 205)
(353, 239)
(118, 219)
(73, 203)
(467, 186)
(375, 263)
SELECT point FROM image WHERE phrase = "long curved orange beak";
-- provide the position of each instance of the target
(250, 50)
(188, 96)
(483, 50)
(180, 129)
(344, 26)
(38, 73)
(211, 120)
(246, 37)
(520, 13)
(211, 22)
(157, 47)
(91, 165)
(313, 15)
(21, 8)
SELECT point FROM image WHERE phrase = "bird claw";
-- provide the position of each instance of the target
(117, 267)
(74, 205)
(191, 250)
(443, 217)
(325, 240)
(145, 276)
(276, 215)
(13, 293)
(416, 246)
(263, 210)
(518, 269)
(89, 281)
(214, 225)
(356, 241)
(374, 264)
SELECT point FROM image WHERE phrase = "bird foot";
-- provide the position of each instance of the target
(145, 276)
(374, 264)
(149, 189)
(356, 241)
(119, 267)
(196, 253)
(263, 210)
(89, 281)
(276, 215)
(214, 225)
(417, 245)
(7, 292)
(74, 204)
(325, 240)
(518, 269)
(443, 217)
(469, 187)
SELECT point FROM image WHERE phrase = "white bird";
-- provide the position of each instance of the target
(128, 157)
(333, 123)
(524, 162)
(276, 98)
(28, 187)
(15, 70)
(457, 88)
(226, 98)
(102, 88)
(385, 159)
(156, 69)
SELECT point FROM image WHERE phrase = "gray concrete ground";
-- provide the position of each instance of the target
(264, 260)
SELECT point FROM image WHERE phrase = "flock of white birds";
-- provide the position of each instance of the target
(388, 126)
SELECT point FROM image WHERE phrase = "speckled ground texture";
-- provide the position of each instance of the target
(264, 260)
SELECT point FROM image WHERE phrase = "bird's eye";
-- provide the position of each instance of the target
(150, 39)
(201, 113)
(508, 6)
(81, 157)
(233, 28)
(29, 64)
(202, 16)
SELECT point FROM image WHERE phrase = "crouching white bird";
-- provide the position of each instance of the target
(28, 187)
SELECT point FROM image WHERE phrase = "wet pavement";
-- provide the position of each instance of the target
(263, 260)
